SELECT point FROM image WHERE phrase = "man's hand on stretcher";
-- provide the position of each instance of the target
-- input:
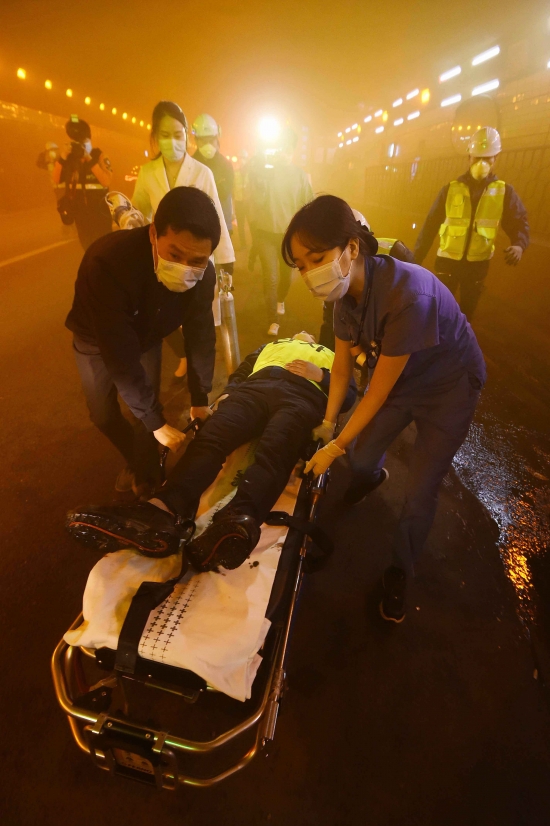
(169, 436)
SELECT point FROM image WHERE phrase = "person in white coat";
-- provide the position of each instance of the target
(172, 166)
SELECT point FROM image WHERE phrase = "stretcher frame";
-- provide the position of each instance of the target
(104, 735)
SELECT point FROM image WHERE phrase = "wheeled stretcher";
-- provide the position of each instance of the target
(169, 726)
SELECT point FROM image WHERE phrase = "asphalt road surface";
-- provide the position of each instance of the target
(442, 721)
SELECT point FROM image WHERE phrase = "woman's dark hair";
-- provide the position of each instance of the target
(325, 223)
(170, 109)
(191, 209)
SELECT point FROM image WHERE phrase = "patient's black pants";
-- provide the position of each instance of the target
(281, 412)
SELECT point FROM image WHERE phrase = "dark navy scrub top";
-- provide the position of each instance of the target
(410, 311)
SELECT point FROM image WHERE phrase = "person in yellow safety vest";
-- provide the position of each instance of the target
(277, 395)
(82, 176)
(467, 214)
(386, 246)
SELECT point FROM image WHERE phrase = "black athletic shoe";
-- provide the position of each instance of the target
(141, 526)
(357, 492)
(228, 541)
(394, 585)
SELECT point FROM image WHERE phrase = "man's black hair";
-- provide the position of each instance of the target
(188, 208)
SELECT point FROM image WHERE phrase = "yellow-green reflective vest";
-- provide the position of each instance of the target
(385, 245)
(280, 353)
(458, 226)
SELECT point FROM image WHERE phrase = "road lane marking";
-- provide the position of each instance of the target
(17, 258)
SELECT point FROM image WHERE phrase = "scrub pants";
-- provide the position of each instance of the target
(464, 277)
(272, 407)
(138, 447)
(275, 271)
(442, 422)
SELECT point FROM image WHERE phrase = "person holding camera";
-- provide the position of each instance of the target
(426, 365)
(83, 174)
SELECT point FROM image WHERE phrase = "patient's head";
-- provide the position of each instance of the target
(303, 336)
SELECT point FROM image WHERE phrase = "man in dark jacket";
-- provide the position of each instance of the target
(134, 288)
(467, 214)
(277, 395)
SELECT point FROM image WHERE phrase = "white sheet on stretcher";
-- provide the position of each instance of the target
(213, 623)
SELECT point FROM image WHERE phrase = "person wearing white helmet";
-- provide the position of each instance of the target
(207, 137)
(467, 214)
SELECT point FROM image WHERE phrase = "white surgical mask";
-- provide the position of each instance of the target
(480, 169)
(177, 277)
(87, 146)
(327, 282)
(171, 149)
(208, 151)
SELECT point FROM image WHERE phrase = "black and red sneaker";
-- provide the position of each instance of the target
(140, 526)
(227, 542)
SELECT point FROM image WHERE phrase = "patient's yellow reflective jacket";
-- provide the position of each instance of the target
(280, 353)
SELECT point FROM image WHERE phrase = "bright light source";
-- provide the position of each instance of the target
(398, 122)
(368, 119)
(451, 73)
(356, 138)
(133, 120)
(69, 93)
(391, 150)
(348, 142)
(348, 130)
(339, 134)
(379, 130)
(48, 84)
(385, 117)
(149, 126)
(340, 145)
(485, 87)
(397, 102)
(124, 115)
(548, 65)
(451, 100)
(113, 110)
(268, 166)
(414, 226)
(354, 126)
(413, 115)
(425, 96)
(269, 128)
(481, 58)
(413, 94)
(378, 113)
(87, 101)
(234, 159)
(102, 106)
(21, 74)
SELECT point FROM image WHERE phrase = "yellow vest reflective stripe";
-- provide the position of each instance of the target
(280, 353)
(385, 245)
(453, 233)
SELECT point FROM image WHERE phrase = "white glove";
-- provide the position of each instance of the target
(323, 459)
(323, 431)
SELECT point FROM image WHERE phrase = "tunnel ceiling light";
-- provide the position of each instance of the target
(124, 115)
(87, 101)
(548, 65)
(348, 129)
(425, 96)
(485, 87)
(355, 125)
(133, 120)
(385, 117)
(348, 142)
(21, 74)
(378, 113)
(102, 106)
(340, 145)
(413, 115)
(490, 53)
(234, 159)
(356, 138)
(69, 93)
(149, 126)
(269, 128)
(113, 110)
(368, 119)
(449, 74)
(397, 102)
(339, 134)
(413, 94)
(398, 122)
(48, 84)
(141, 123)
(451, 100)
(379, 130)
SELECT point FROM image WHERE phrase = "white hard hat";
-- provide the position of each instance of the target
(205, 127)
(360, 218)
(485, 143)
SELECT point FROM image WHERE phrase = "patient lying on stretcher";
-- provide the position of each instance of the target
(277, 395)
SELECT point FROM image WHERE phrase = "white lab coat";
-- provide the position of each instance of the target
(152, 185)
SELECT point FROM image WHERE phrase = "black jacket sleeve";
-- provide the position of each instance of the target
(433, 221)
(514, 219)
(111, 317)
(244, 370)
(200, 339)
(351, 395)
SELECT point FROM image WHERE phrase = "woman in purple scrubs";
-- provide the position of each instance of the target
(426, 365)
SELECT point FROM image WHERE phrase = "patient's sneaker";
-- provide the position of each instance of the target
(358, 491)
(141, 526)
(394, 585)
(228, 541)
